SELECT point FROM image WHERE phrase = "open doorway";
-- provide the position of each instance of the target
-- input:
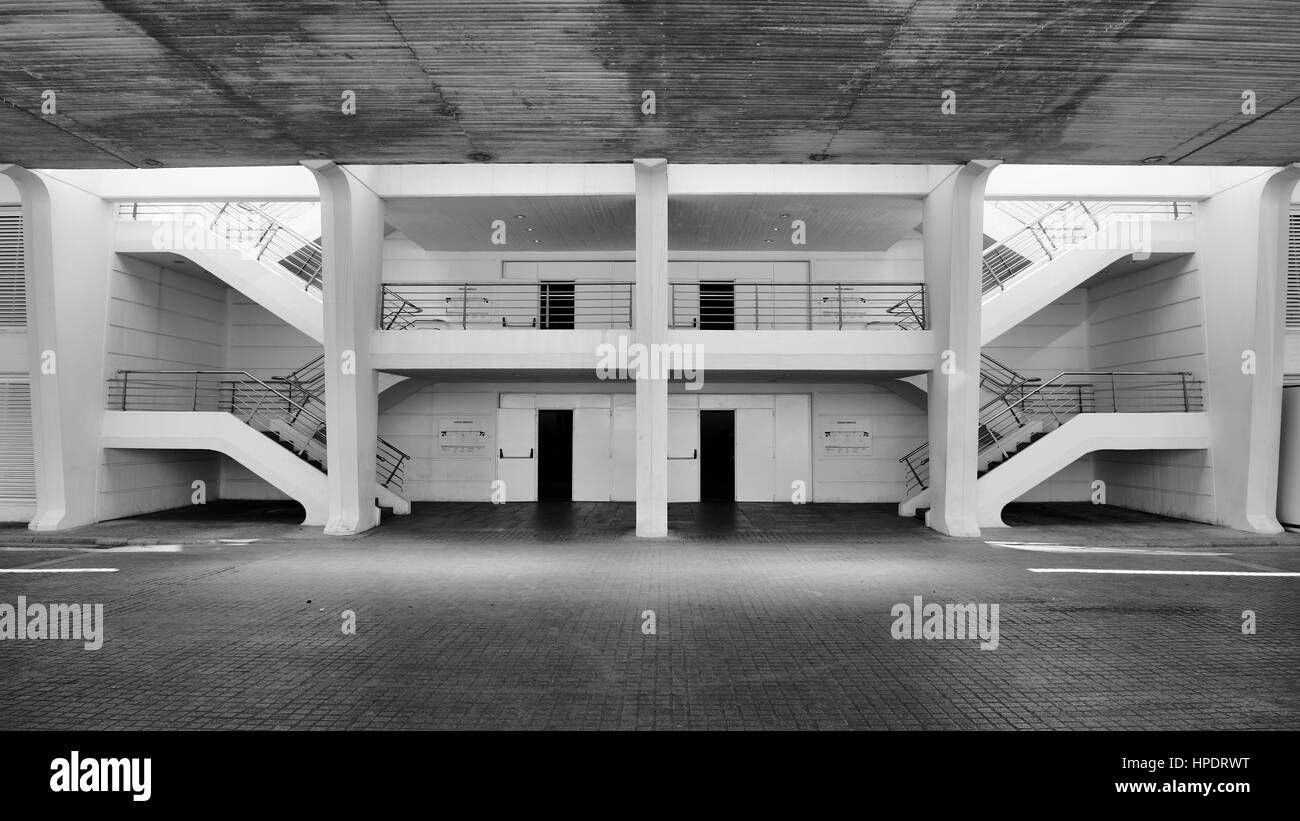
(554, 455)
(717, 456)
(717, 306)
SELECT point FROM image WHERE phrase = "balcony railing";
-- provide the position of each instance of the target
(472, 305)
(1005, 421)
(798, 305)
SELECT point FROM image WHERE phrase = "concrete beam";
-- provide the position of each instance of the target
(260, 184)
(885, 180)
(504, 180)
(1114, 182)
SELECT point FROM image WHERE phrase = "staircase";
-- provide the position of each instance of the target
(1066, 244)
(241, 243)
(290, 414)
(1020, 418)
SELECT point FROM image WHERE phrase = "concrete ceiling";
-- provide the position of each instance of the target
(260, 82)
(719, 223)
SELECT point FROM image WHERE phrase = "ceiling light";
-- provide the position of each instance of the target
(530, 228)
(785, 216)
(480, 156)
(819, 157)
(537, 241)
(768, 241)
(520, 217)
(1155, 159)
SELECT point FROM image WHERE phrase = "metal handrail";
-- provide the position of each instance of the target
(248, 226)
(801, 305)
(1065, 395)
(1062, 227)
(389, 458)
(500, 304)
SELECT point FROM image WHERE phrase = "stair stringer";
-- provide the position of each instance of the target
(1031, 291)
(281, 294)
(1078, 437)
(223, 433)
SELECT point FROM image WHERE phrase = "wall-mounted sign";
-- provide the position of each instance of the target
(844, 436)
(465, 436)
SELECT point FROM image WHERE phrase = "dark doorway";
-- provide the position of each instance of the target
(557, 305)
(717, 306)
(717, 456)
(555, 456)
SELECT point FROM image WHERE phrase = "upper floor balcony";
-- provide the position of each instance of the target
(744, 326)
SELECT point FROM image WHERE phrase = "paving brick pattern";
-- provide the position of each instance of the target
(474, 617)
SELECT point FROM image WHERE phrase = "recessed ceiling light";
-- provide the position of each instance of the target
(530, 228)
(153, 163)
(1155, 159)
(819, 157)
(520, 217)
(774, 228)
(785, 216)
(480, 156)
(537, 241)
(768, 241)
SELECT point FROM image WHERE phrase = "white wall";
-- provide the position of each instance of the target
(159, 320)
(1153, 320)
(1052, 340)
(896, 425)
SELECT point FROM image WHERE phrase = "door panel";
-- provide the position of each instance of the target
(591, 455)
(683, 455)
(517, 453)
(754, 455)
(623, 447)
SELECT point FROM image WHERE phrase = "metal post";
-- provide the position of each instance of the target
(1187, 405)
(196, 391)
(464, 306)
(839, 296)
(125, 376)
(1114, 396)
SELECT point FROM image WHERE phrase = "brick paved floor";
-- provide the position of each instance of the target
(768, 616)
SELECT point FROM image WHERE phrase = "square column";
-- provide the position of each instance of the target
(953, 240)
(651, 325)
(1242, 240)
(67, 237)
(352, 236)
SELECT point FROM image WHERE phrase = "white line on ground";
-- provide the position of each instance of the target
(58, 570)
(1047, 547)
(1155, 572)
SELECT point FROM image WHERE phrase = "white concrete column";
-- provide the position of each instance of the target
(67, 235)
(1242, 239)
(953, 243)
(352, 236)
(651, 317)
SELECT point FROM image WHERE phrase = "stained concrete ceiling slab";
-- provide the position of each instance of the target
(261, 82)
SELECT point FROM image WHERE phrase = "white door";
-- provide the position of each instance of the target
(754, 455)
(623, 451)
(684, 455)
(517, 453)
(591, 455)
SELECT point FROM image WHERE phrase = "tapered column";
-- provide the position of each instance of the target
(953, 241)
(352, 235)
(67, 237)
(651, 315)
(1242, 238)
